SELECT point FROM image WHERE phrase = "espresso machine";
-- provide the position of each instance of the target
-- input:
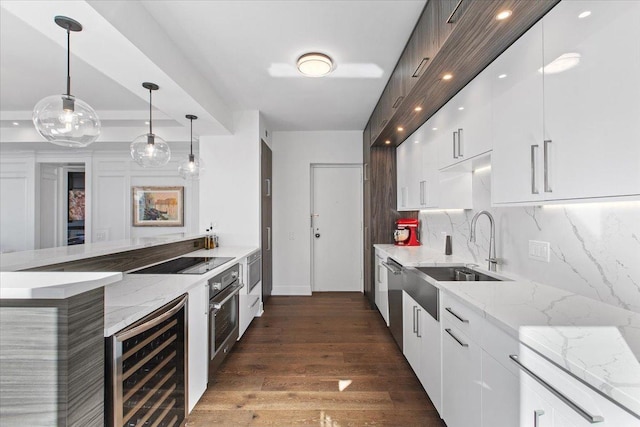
(407, 232)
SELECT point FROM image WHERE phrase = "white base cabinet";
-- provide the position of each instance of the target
(198, 332)
(422, 349)
(381, 287)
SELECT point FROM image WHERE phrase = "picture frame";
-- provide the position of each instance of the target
(157, 206)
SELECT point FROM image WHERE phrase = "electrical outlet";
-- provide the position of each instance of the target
(102, 235)
(540, 251)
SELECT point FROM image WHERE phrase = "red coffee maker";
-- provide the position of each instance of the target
(407, 232)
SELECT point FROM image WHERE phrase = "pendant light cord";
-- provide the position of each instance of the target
(191, 140)
(150, 117)
(68, 62)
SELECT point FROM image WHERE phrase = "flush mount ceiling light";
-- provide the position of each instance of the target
(64, 119)
(149, 150)
(191, 168)
(447, 77)
(315, 64)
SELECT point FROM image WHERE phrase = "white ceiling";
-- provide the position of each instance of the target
(215, 56)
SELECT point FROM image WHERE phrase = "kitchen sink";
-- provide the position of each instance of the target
(456, 274)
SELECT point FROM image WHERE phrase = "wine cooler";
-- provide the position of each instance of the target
(147, 374)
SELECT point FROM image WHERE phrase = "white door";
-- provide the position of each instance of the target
(336, 233)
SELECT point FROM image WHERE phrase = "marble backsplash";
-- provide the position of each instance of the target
(595, 247)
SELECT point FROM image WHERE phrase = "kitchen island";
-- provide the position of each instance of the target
(53, 325)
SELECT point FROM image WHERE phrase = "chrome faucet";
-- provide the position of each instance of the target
(493, 261)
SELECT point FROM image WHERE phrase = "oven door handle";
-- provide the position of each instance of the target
(217, 305)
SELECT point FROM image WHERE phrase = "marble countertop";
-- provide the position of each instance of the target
(594, 341)
(140, 294)
(52, 285)
(14, 261)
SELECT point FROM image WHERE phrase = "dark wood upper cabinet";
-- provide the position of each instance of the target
(460, 37)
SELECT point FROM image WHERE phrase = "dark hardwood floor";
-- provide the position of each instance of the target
(327, 360)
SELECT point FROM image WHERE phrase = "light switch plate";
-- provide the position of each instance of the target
(540, 251)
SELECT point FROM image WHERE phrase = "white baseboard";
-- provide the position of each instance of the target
(291, 290)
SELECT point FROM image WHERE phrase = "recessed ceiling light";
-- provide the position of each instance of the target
(16, 124)
(400, 128)
(417, 109)
(503, 15)
(584, 14)
(447, 77)
(502, 76)
(434, 128)
(387, 142)
(460, 108)
(416, 142)
(146, 123)
(315, 64)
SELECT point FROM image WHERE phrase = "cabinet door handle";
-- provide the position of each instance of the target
(457, 316)
(268, 181)
(420, 68)
(398, 102)
(414, 319)
(268, 238)
(547, 184)
(460, 143)
(366, 171)
(536, 416)
(206, 299)
(462, 344)
(450, 19)
(422, 202)
(454, 145)
(570, 403)
(418, 323)
(403, 196)
(534, 186)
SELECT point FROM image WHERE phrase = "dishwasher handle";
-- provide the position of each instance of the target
(392, 268)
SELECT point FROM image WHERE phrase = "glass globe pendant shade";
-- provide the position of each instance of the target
(150, 151)
(67, 121)
(192, 168)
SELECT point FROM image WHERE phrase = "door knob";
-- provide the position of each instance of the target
(317, 235)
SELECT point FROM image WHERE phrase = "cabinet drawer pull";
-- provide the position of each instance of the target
(534, 186)
(463, 344)
(254, 304)
(268, 182)
(414, 319)
(420, 68)
(547, 184)
(593, 419)
(418, 323)
(398, 102)
(460, 143)
(457, 316)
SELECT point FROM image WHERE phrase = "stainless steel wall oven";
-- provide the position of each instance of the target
(224, 319)
(147, 370)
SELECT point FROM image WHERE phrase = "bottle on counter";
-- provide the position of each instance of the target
(447, 245)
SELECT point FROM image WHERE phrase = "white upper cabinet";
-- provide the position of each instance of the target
(466, 131)
(516, 86)
(592, 99)
(566, 103)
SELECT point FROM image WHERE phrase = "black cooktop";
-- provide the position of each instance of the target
(185, 265)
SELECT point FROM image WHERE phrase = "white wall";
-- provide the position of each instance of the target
(293, 154)
(595, 247)
(230, 186)
(108, 174)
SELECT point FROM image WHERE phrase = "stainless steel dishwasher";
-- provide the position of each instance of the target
(394, 282)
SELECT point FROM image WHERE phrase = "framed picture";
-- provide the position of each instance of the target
(157, 206)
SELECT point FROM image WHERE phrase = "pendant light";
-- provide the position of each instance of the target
(192, 167)
(64, 119)
(149, 150)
